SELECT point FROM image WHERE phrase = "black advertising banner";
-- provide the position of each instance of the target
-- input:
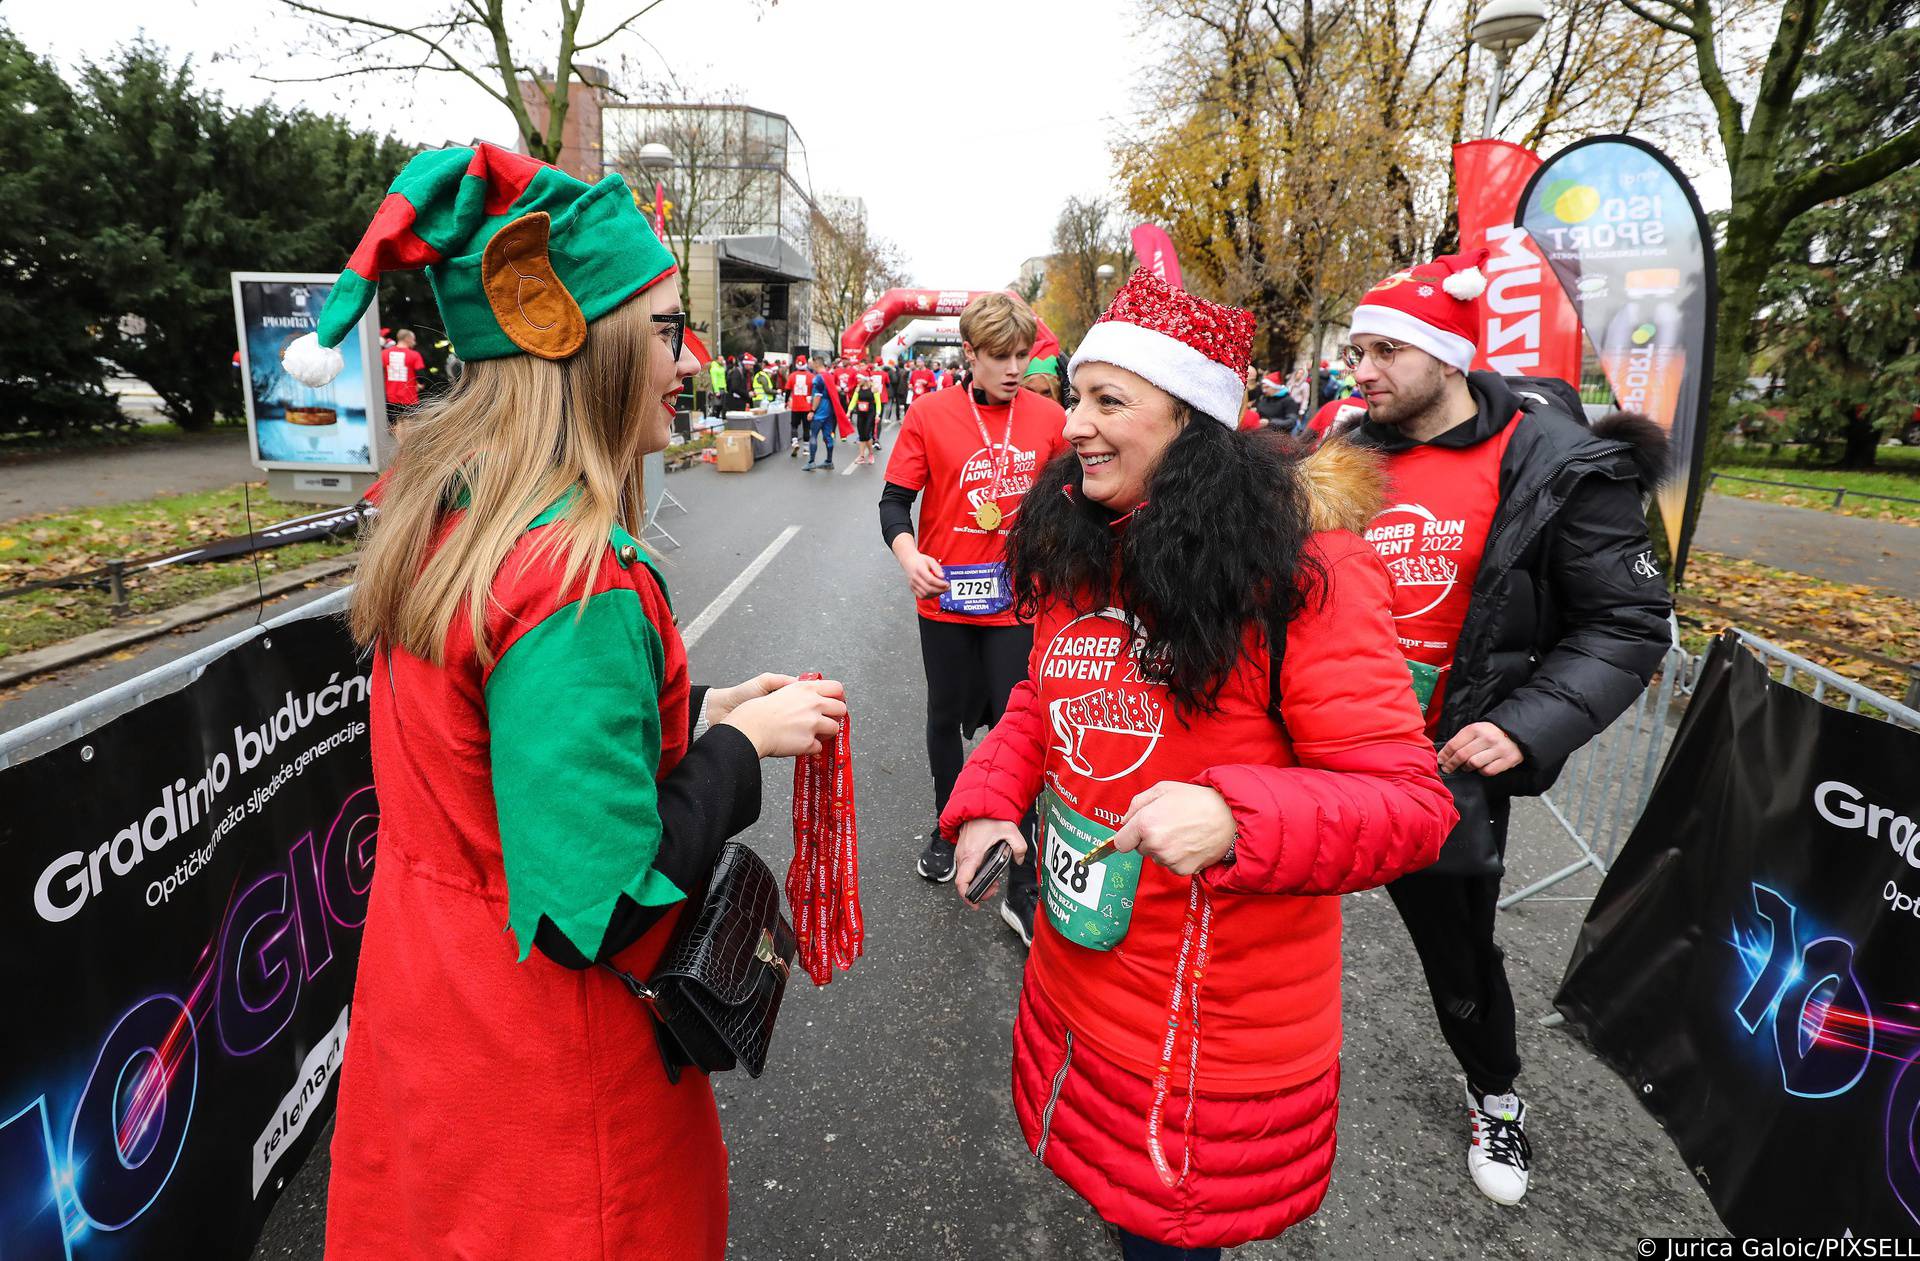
(184, 891)
(1625, 235)
(1749, 962)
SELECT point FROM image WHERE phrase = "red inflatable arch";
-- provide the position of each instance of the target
(902, 304)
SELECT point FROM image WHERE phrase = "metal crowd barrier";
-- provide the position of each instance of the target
(1604, 787)
(82, 717)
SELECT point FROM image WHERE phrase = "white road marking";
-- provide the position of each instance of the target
(724, 601)
(848, 470)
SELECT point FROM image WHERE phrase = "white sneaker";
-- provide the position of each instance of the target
(1499, 1154)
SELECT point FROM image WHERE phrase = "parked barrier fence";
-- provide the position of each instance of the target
(82, 717)
(1604, 787)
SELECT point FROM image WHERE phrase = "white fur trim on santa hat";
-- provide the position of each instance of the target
(1466, 284)
(310, 363)
(1397, 325)
(1204, 384)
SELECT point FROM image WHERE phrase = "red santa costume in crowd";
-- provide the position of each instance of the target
(1240, 1020)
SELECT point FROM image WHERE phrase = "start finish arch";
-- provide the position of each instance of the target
(901, 304)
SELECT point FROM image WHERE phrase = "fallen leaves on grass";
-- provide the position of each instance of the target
(1867, 619)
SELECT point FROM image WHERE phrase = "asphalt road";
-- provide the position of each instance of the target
(883, 1126)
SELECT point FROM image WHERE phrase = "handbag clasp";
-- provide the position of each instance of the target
(769, 956)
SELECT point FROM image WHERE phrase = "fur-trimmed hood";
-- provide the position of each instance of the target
(1346, 486)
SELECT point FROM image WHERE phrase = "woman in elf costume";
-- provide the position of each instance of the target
(552, 790)
(1176, 1053)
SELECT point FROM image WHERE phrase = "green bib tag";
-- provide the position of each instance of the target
(1425, 677)
(1090, 906)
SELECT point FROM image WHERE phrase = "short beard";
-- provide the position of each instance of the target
(1405, 407)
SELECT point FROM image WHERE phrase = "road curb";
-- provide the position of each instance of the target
(72, 652)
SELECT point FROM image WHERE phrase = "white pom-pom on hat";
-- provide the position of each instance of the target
(1466, 285)
(310, 363)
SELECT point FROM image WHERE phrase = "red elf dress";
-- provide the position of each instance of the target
(499, 1097)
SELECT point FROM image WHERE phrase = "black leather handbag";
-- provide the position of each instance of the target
(716, 992)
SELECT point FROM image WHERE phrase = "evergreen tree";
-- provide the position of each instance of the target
(51, 299)
(1839, 305)
(192, 192)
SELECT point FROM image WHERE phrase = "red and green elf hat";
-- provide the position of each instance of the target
(521, 256)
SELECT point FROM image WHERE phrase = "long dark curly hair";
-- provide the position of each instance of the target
(1219, 543)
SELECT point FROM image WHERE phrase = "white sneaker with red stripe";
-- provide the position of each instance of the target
(1499, 1154)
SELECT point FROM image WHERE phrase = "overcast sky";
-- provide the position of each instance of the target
(964, 126)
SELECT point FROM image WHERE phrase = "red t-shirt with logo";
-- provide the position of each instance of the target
(403, 366)
(799, 390)
(920, 381)
(1431, 537)
(939, 451)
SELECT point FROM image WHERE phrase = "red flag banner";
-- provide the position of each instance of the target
(1154, 248)
(1529, 328)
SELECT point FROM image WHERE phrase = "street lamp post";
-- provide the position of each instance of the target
(1500, 27)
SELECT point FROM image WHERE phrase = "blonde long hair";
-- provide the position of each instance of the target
(512, 437)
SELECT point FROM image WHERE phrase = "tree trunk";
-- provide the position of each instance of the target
(1742, 265)
(1863, 439)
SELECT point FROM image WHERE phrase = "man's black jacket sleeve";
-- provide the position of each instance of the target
(1613, 608)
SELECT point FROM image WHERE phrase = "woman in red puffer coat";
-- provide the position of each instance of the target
(1176, 1053)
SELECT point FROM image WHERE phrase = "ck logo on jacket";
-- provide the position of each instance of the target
(1109, 731)
(1645, 568)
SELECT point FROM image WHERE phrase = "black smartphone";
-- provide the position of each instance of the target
(991, 869)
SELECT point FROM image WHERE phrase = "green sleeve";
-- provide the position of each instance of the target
(573, 716)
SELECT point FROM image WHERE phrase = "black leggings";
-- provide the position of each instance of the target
(970, 670)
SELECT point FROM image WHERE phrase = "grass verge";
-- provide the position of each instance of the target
(39, 548)
(1898, 473)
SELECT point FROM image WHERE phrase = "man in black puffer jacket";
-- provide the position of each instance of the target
(1531, 612)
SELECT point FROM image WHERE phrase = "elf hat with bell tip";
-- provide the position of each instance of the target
(521, 257)
(1195, 350)
(1434, 306)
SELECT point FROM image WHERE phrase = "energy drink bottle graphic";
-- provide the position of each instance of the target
(1642, 349)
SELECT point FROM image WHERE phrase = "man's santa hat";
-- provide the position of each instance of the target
(521, 257)
(1435, 306)
(1196, 350)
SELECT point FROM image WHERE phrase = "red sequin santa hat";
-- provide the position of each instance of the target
(1434, 306)
(1195, 350)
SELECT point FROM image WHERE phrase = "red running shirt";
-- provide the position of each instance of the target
(1431, 537)
(799, 390)
(939, 452)
(402, 368)
(920, 381)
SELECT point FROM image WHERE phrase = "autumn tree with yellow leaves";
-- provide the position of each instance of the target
(1302, 148)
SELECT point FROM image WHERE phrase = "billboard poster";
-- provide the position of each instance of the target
(336, 427)
(1747, 965)
(185, 890)
(1527, 326)
(1626, 237)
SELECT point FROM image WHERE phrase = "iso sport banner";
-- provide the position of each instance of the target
(184, 892)
(1749, 962)
(1626, 237)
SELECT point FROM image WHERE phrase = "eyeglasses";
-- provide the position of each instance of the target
(1353, 356)
(677, 321)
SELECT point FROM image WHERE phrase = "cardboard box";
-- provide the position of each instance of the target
(736, 450)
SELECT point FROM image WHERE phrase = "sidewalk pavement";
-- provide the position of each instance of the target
(36, 484)
(1882, 554)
